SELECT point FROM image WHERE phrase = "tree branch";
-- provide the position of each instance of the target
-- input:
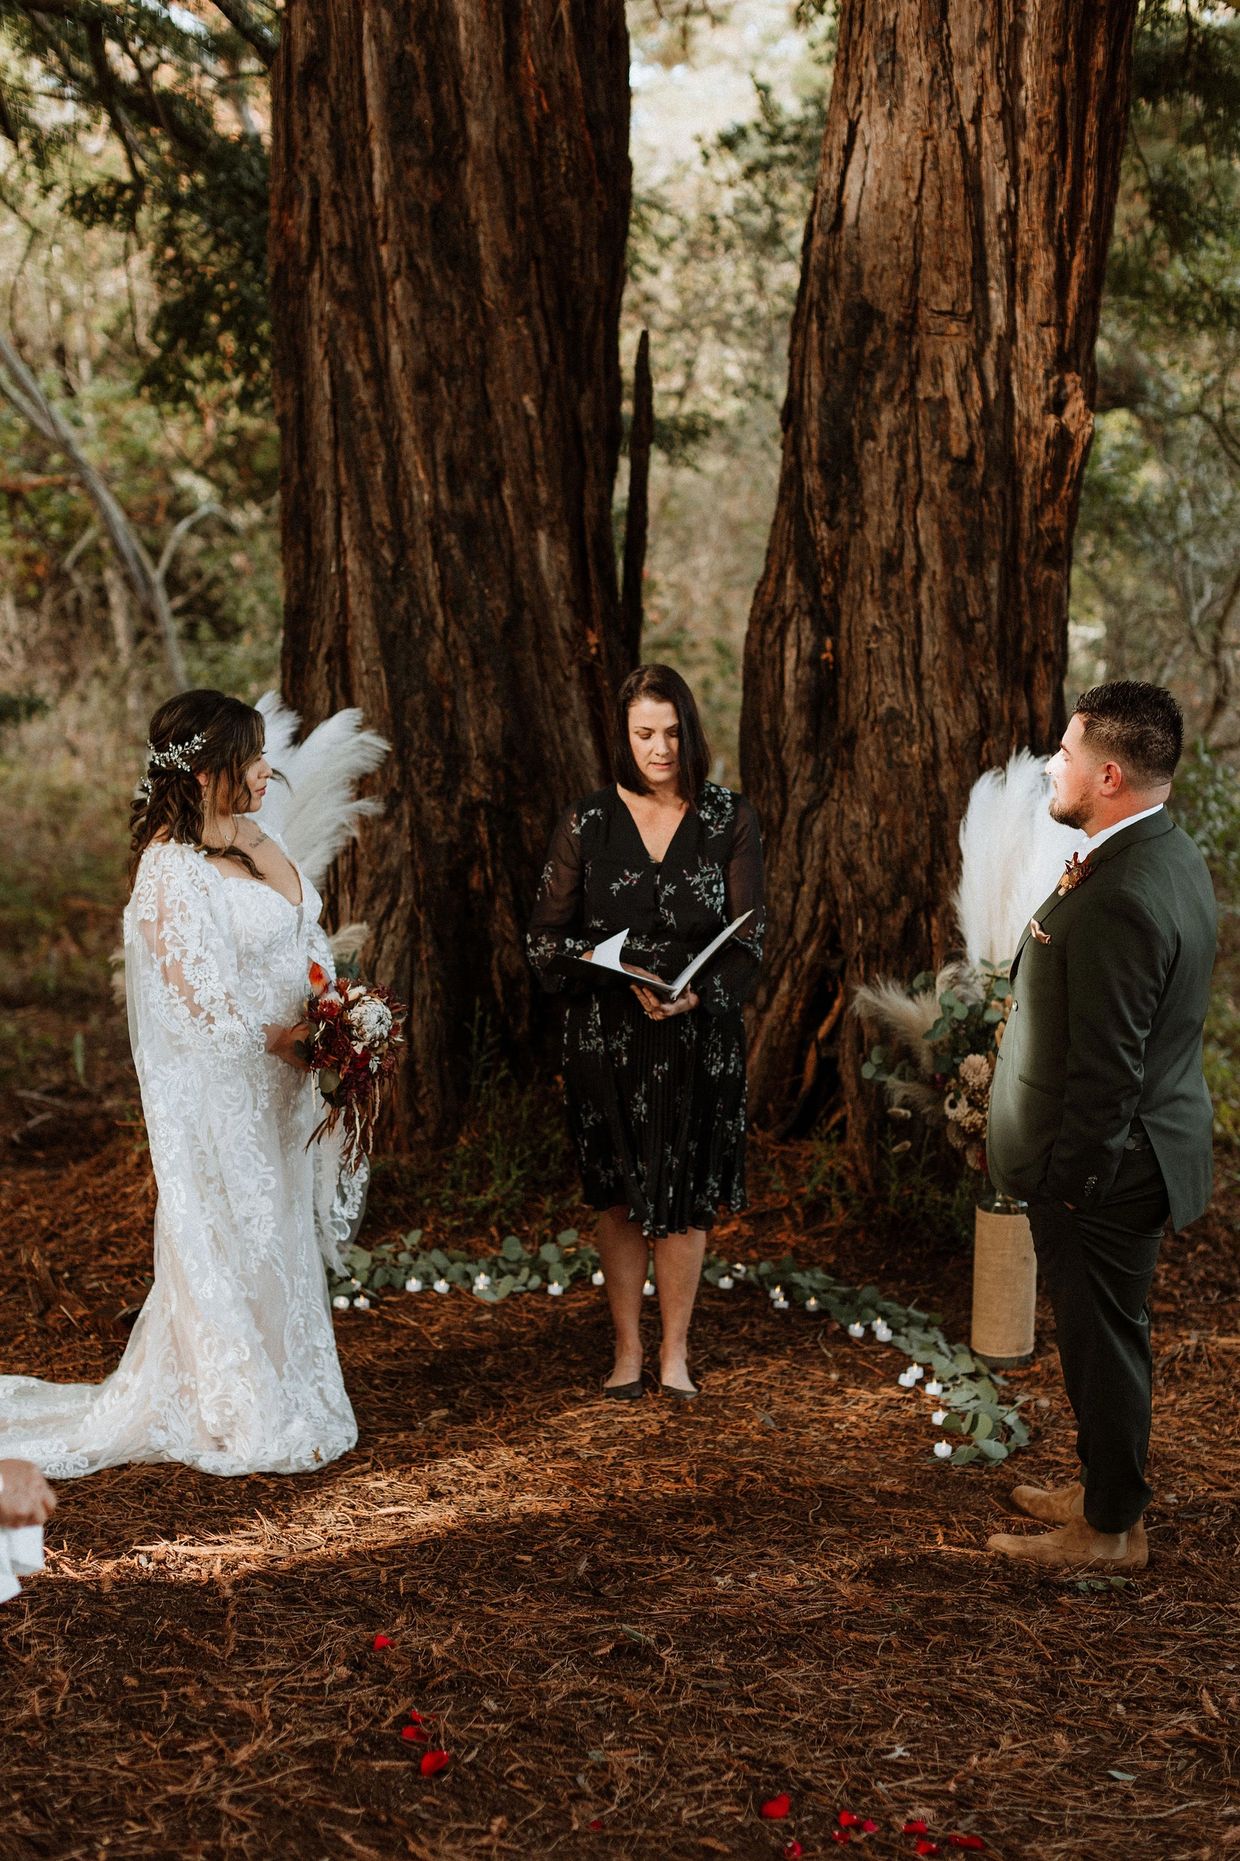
(242, 21)
(182, 530)
(125, 104)
(636, 521)
(23, 392)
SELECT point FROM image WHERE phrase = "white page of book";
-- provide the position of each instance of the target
(607, 956)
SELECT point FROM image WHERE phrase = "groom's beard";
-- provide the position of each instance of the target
(1077, 817)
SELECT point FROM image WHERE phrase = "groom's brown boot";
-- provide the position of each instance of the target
(1077, 1546)
(1054, 1505)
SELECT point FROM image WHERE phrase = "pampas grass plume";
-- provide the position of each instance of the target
(1011, 856)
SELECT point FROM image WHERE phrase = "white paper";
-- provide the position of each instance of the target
(607, 956)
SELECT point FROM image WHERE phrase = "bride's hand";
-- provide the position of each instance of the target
(282, 1044)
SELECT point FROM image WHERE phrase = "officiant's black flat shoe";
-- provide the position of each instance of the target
(624, 1392)
(681, 1395)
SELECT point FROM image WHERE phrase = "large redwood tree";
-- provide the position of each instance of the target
(450, 197)
(910, 626)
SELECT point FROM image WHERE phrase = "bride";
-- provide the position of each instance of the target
(231, 1366)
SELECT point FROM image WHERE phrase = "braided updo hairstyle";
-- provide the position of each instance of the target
(169, 802)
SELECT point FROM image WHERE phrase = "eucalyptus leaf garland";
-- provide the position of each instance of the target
(975, 1409)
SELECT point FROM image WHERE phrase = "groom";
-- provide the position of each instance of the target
(1099, 1114)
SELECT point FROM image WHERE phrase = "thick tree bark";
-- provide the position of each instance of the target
(637, 516)
(449, 214)
(910, 627)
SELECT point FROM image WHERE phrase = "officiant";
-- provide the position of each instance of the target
(655, 1089)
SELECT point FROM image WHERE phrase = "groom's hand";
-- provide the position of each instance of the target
(25, 1496)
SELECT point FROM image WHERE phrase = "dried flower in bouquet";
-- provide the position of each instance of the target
(354, 1034)
(967, 1105)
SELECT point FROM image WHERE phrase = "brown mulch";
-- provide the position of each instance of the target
(632, 1625)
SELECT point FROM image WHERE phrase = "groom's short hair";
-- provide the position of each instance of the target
(1141, 727)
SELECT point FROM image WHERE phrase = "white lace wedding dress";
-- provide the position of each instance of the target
(231, 1366)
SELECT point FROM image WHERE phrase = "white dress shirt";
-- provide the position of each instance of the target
(1096, 840)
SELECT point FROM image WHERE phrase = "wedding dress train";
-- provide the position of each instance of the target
(231, 1366)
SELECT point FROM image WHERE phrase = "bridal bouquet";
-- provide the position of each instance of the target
(355, 1030)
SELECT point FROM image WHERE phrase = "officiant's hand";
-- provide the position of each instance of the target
(25, 1496)
(659, 1010)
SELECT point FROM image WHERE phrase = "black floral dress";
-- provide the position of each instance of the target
(656, 1108)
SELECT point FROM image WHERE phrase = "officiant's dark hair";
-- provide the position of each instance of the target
(1141, 726)
(666, 687)
(196, 733)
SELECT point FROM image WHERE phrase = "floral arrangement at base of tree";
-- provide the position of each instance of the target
(974, 1417)
(943, 1040)
(942, 1033)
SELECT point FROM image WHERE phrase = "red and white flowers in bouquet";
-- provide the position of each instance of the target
(354, 1033)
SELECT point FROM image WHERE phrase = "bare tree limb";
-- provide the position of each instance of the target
(637, 516)
(23, 393)
(22, 484)
(243, 22)
(182, 530)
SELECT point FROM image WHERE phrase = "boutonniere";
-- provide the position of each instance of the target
(1075, 872)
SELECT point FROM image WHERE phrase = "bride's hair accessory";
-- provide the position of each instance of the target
(172, 756)
(215, 739)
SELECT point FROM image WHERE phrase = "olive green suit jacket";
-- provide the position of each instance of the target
(1110, 987)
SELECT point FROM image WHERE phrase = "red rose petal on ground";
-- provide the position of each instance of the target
(966, 1841)
(925, 1846)
(415, 1734)
(597, 1823)
(793, 1851)
(914, 1828)
(847, 1820)
(869, 1826)
(415, 1717)
(433, 1761)
(381, 1641)
(840, 1835)
(776, 1807)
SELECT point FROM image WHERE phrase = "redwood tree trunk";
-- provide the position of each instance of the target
(449, 214)
(910, 627)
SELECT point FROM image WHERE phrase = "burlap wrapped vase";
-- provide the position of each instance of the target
(1005, 1283)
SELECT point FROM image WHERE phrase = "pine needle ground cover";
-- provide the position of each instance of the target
(748, 1627)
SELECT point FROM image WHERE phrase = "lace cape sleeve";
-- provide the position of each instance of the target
(181, 978)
